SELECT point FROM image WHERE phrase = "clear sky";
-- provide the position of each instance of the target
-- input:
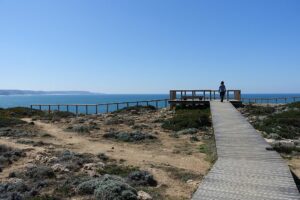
(150, 46)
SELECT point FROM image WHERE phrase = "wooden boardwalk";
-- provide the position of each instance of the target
(245, 170)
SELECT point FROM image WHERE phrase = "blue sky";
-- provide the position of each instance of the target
(150, 46)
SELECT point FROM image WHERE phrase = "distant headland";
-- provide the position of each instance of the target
(32, 92)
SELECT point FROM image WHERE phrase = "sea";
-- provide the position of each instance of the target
(7, 101)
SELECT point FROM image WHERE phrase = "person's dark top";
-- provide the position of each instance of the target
(222, 88)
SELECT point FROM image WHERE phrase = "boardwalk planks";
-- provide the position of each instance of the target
(245, 170)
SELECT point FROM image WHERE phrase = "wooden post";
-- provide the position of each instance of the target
(156, 103)
(107, 108)
(76, 109)
(214, 94)
(137, 103)
(40, 107)
(49, 109)
(227, 95)
(67, 108)
(96, 109)
(58, 107)
(127, 104)
(210, 95)
(166, 103)
(117, 106)
(147, 102)
(204, 95)
(86, 109)
(31, 108)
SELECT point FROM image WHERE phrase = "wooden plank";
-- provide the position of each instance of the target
(244, 169)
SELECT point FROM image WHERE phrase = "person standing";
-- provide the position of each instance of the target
(222, 90)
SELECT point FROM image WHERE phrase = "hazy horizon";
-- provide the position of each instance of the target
(150, 47)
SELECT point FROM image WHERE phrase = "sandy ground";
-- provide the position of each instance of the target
(149, 156)
(294, 164)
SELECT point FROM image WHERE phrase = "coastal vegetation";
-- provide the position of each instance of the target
(188, 118)
(129, 154)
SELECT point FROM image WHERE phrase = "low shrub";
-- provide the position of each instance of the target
(188, 118)
(120, 170)
(136, 108)
(286, 124)
(129, 137)
(10, 121)
(259, 110)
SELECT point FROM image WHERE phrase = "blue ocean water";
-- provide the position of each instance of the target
(27, 100)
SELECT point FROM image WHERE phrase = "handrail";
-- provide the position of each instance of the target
(97, 106)
(268, 100)
(212, 93)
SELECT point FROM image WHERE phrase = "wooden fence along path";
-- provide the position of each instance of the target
(245, 170)
(97, 107)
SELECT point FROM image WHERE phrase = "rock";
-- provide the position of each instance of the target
(190, 131)
(59, 168)
(192, 182)
(141, 178)
(143, 195)
(284, 146)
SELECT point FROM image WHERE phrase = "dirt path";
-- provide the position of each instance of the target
(133, 155)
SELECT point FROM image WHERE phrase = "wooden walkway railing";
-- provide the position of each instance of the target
(206, 94)
(97, 107)
(271, 100)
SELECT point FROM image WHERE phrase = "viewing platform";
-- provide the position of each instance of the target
(202, 97)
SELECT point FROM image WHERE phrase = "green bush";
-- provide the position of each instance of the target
(119, 170)
(294, 105)
(136, 108)
(9, 121)
(20, 112)
(285, 124)
(259, 110)
(188, 118)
